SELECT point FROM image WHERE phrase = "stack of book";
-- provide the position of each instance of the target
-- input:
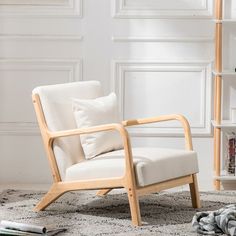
(230, 153)
(13, 228)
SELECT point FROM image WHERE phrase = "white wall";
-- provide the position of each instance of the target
(155, 54)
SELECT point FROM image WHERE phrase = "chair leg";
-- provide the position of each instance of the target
(52, 195)
(103, 192)
(134, 207)
(194, 192)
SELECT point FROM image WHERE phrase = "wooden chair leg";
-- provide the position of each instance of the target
(52, 195)
(134, 207)
(103, 192)
(194, 192)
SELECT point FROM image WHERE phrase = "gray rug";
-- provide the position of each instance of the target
(83, 213)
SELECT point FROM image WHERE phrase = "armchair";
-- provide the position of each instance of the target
(138, 170)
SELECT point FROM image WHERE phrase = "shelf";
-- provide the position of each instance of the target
(225, 73)
(224, 124)
(225, 21)
(225, 178)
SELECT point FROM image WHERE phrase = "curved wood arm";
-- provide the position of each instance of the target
(181, 118)
(94, 129)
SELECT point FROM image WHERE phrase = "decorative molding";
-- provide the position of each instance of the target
(121, 9)
(19, 128)
(39, 8)
(163, 39)
(120, 68)
(47, 37)
(73, 67)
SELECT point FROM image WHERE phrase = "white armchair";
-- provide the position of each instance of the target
(138, 170)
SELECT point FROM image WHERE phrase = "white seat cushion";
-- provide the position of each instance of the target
(152, 165)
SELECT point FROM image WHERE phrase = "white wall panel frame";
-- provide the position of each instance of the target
(204, 67)
(45, 37)
(41, 8)
(122, 10)
(128, 39)
(73, 67)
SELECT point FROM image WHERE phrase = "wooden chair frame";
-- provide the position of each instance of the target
(104, 186)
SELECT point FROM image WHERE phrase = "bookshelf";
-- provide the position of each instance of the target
(219, 74)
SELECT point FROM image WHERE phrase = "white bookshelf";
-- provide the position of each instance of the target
(223, 12)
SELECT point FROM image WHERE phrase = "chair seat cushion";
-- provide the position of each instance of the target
(152, 165)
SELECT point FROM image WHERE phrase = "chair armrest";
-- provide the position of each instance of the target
(94, 129)
(181, 118)
(115, 126)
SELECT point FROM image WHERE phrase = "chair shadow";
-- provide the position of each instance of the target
(156, 209)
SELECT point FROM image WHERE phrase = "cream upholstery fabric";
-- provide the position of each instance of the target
(57, 106)
(98, 111)
(152, 165)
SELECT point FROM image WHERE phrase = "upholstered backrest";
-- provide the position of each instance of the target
(57, 107)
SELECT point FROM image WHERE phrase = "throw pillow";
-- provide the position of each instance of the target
(92, 112)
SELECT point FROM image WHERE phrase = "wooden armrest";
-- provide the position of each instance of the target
(65, 133)
(181, 118)
(119, 127)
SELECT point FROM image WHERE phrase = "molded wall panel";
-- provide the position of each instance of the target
(18, 78)
(41, 8)
(163, 9)
(148, 89)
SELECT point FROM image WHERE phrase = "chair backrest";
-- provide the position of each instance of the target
(56, 101)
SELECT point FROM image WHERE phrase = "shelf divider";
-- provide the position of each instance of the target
(225, 178)
(223, 124)
(224, 73)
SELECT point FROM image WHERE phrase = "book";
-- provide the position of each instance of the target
(230, 153)
(14, 228)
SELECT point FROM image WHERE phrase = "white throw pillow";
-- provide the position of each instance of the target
(92, 112)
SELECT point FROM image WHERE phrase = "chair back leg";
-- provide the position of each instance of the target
(194, 192)
(103, 192)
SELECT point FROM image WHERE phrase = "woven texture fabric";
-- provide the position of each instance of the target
(216, 222)
(151, 165)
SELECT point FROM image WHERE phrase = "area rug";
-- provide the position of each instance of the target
(84, 213)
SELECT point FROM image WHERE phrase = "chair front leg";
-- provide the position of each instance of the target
(134, 206)
(194, 192)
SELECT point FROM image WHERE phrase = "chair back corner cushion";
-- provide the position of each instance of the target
(57, 108)
(152, 165)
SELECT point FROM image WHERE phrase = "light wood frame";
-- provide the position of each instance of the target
(106, 185)
(218, 90)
